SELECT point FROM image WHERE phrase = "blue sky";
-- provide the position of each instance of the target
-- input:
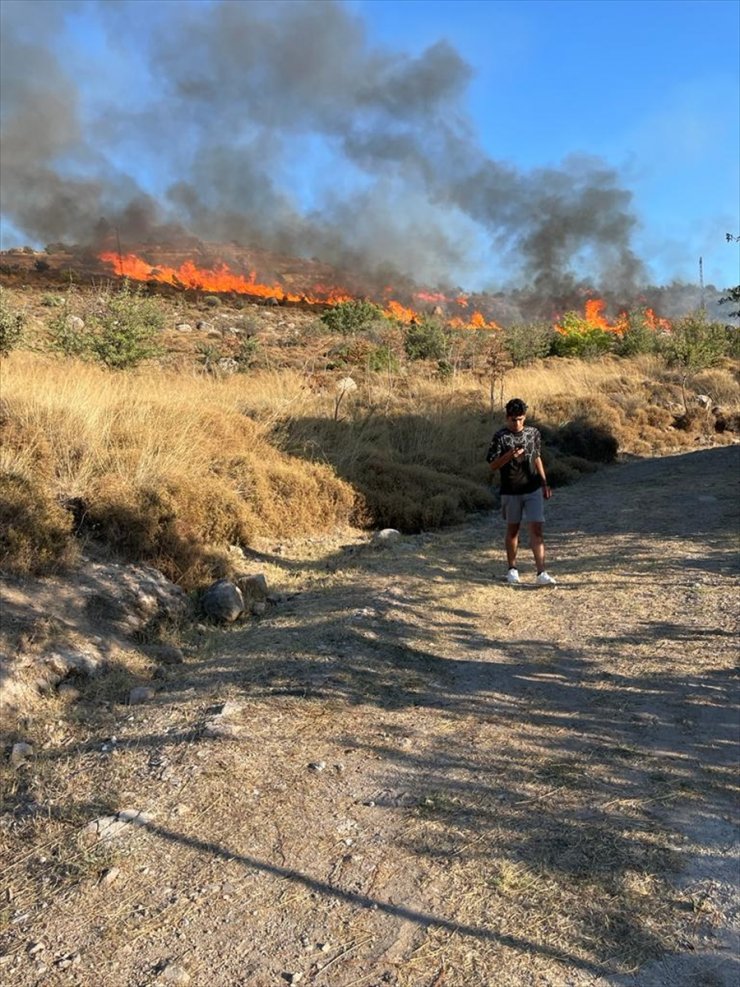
(649, 89)
(652, 86)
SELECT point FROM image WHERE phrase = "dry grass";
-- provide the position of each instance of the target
(169, 467)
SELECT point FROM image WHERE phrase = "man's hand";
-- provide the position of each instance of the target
(517, 453)
(546, 491)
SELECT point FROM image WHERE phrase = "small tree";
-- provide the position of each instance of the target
(695, 344)
(528, 342)
(427, 340)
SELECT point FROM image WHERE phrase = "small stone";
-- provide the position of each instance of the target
(388, 536)
(167, 654)
(295, 978)
(35, 948)
(20, 753)
(184, 327)
(109, 876)
(134, 816)
(68, 691)
(324, 947)
(173, 973)
(259, 608)
(317, 766)
(141, 694)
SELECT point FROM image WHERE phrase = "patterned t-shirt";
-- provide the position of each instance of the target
(518, 476)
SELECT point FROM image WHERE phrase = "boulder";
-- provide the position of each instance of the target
(254, 590)
(222, 602)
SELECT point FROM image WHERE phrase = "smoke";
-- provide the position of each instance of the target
(279, 125)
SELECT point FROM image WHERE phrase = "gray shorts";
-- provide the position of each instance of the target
(532, 505)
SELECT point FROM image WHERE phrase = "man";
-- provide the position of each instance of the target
(515, 450)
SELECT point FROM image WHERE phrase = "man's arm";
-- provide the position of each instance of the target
(506, 457)
(539, 466)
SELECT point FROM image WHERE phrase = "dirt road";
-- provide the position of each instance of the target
(427, 777)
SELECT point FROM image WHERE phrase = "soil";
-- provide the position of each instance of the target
(423, 777)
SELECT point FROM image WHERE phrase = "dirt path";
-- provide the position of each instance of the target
(434, 779)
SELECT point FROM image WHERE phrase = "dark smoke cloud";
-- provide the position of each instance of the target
(238, 93)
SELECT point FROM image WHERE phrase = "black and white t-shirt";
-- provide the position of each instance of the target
(518, 476)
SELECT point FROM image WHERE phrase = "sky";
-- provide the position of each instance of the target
(483, 144)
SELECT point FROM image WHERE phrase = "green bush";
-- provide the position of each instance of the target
(119, 331)
(383, 359)
(12, 323)
(212, 301)
(427, 340)
(695, 344)
(349, 318)
(247, 353)
(638, 337)
(52, 301)
(527, 342)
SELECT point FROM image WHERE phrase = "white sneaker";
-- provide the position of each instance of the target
(512, 577)
(545, 579)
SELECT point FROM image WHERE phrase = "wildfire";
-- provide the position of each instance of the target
(222, 279)
(594, 318)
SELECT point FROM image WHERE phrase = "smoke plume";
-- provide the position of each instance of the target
(280, 125)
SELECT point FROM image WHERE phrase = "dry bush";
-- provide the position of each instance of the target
(35, 532)
(162, 469)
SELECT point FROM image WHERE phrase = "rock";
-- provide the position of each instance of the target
(222, 726)
(20, 754)
(35, 948)
(184, 327)
(388, 536)
(317, 766)
(704, 400)
(227, 365)
(67, 691)
(166, 654)
(136, 817)
(203, 326)
(75, 323)
(253, 587)
(109, 876)
(173, 973)
(141, 694)
(102, 828)
(222, 602)
(259, 608)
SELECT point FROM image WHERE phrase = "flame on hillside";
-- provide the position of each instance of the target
(593, 318)
(222, 279)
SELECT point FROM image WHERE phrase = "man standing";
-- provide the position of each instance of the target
(515, 450)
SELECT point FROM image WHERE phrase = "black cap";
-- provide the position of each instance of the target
(516, 407)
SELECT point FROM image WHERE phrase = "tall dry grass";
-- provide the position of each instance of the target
(171, 467)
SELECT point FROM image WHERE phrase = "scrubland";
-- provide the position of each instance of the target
(173, 460)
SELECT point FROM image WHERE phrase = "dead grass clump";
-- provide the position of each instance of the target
(415, 498)
(35, 532)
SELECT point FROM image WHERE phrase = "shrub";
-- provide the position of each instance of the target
(427, 340)
(52, 301)
(695, 344)
(638, 337)
(383, 359)
(211, 301)
(577, 337)
(247, 353)
(35, 532)
(68, 334)
(125, 328)
(12, 323)
(527, 342)
(349, 318)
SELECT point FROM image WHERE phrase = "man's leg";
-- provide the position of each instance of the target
(537, 544)
(512, 544)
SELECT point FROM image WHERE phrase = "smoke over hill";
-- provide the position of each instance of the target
(227, 107)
